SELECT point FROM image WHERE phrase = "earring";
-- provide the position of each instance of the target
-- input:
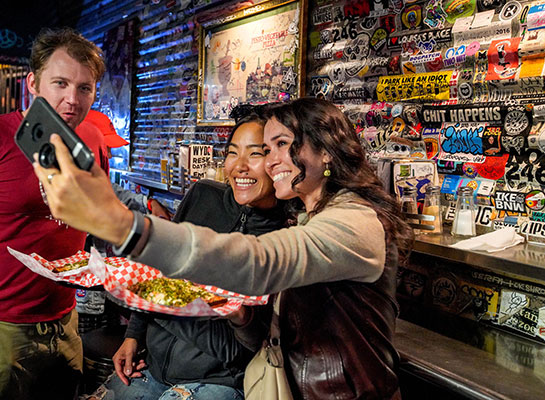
(327, 171)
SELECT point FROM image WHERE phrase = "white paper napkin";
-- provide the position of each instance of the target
(491, 242)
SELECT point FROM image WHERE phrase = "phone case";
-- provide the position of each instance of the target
(33, 137)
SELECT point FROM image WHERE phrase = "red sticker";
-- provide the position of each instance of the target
(492, 167)
(503, 59)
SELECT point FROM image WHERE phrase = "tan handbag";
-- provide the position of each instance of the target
(265, 376)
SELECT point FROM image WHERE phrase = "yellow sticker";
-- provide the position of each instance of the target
(486, 295)
(429, 86)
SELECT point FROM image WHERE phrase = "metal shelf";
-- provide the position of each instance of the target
(146, 182)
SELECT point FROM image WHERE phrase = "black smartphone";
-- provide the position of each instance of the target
(33, 137)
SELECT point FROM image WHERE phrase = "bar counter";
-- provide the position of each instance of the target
(469, 358)
(523, 261)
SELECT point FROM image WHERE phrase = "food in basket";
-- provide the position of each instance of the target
(71, 266)
(174, 292)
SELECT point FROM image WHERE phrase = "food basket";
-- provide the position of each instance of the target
(80, 277)
(118, 273)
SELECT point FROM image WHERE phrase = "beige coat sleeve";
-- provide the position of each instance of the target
(342, 242)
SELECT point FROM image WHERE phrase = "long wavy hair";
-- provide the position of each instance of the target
(325, 128)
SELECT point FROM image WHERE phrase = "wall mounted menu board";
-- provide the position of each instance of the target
(252, 56)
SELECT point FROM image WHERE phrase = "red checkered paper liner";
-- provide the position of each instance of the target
(126, 272)
(247, 300)
(39, 265)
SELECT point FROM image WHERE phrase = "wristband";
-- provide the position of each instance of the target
(149, 203)
(137, 228)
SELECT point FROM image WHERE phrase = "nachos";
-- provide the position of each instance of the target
(174, 292)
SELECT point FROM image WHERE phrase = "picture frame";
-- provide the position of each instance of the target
(255, 55)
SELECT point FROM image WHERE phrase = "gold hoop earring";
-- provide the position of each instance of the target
(327, 171)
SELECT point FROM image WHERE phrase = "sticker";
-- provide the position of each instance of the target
(432, 146)
(524, 14)
(397, 109)
(484, 5)
(289, 77)
(435, 16)
(469, 170)
(450, 167)
(395, 149)
(326, 36)
(450, 184)
(412, 17)
(322, 15)
(378, 39)
(528, 167)
(337, 73)
(413, 283)
(537, 216)
(458, 8)
(424, 58)
(428, 86)
(510, 11)
(455, 56)
(509, 201)
(484, 300)
(398, 126)
(321, 86)
(393, 65)
(516, 122)
(443, 291)
(368, 23)
(533, 228)
(373, 118)
(493, 167)
(465, 91)
(435, 65)
(472, 49)
(439, 35)
(503, 60)
(411, 114)
(439, 114)
(535, 200)
(462, 142)
(535, 17)
(409, 68)
(492, 140)
(512, 144)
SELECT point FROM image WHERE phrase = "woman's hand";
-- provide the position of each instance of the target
(125, 362)
(240, 317)
(82, 199)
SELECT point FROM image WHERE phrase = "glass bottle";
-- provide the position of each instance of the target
(409, 204)
(464, 217)
(220, 177)
(210, 170)
(432, 206)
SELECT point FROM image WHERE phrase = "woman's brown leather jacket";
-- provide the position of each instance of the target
(337, 338)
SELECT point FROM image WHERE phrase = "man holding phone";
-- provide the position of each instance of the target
(40, 349)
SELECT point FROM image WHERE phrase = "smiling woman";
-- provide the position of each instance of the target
(245, 164)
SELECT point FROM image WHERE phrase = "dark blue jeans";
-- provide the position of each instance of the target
(147, 388)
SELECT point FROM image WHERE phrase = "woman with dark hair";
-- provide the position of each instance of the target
(201, 356)
(336, 269)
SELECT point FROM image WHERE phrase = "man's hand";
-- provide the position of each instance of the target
(126, 366)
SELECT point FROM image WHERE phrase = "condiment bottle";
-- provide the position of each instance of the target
(432, 207)
(464, 218)
(409, 204)
(220, 176)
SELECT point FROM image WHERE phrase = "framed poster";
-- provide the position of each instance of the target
(252, 56)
